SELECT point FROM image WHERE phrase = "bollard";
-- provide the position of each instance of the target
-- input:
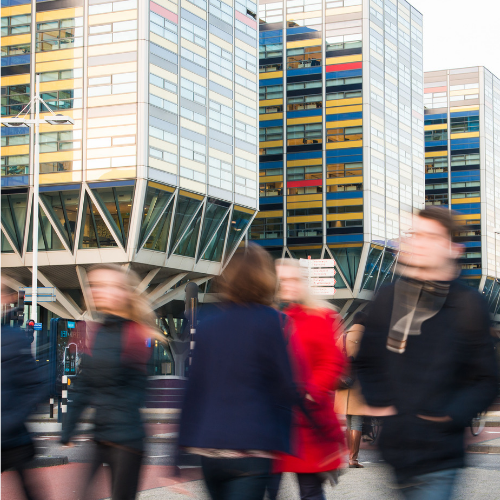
(64, 396)
(51, 408)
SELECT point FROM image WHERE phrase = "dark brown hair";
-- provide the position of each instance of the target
(443, 216)
(250, 277)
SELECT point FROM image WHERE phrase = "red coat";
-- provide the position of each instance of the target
(318, 364)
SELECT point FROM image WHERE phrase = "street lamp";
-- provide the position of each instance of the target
(19, 121)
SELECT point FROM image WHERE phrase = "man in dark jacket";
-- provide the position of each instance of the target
(23, 387)
(427, 361)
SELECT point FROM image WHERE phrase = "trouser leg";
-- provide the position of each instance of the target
(273, 486)
(310, 486)
(125, 465)
(434, 486)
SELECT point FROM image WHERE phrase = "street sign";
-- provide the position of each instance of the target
(322, 290)
(44, 294)
(312, 263)
(322, 272)
(38, 326)
(322, 282)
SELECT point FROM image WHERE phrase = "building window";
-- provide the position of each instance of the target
(195, 58)
(270, 50)
(333, 44)
(121, 31)
(270, 151)
(334, 170)
(338, 188)
(304, 190)
(436, 165)
(16, 165)
(464, 124)
(169, 106)
(221, 117)
(62, 99)
(304, 229)
(193, 175)
(193, 116)
(221, 61)
(271, 92)
(270, 134)
(334, 224)
(344, 95)
(15, 140)
(246, 164)
(199, 3)
(245, 28)
(15, 50)
(463, 160)
(220, 173)
(304, 173)
(267, 228)
(245, 82)
(14, 99)
(434, 121)
(192, 150)
(161, 134)
(270, 189)
(158, 81)
(270, 172)
(344, 210)
(193, 92)
(344, 134)
(245, 60)
(245, 132)
(163, 155)
(162, 27)
(436, 199)
(246, 110)
(247, 7)
(298, 6)
(193, 33)
(244, 186)
(67, 74)
(305, 134)
(436, 135)
(278, 108)
(301, 212)
(58, 35)
(59, 166)
(438, 185)
(268, 68)
(50, 142)
(222, 11)
(305, 86)
(306, 57)
(304, 102)
(16, 25)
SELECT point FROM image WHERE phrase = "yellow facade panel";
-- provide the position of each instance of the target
(304, 120)
(94, 133)
(337, 11)
(77, 83)
(304, 163)
(438, 126)
(464, 135)
(432, 154)
(468, 217)
(307, 204)
(16, 10)
(161, 186)
(345, 123)
(344, 203)
(271, 213)
(460, 201)
(61, 177)
(113, 69)
(271, 74)
(305, 197)
(305, 218)
(111, 173)
(16, 150)
(271, 116)
(16, 39)
(270, 102)
(271, 178)
(61, 156)
(15, 80)
(345, 180)
(113, 17)
(304, 43)
(335, 103)
(344, 145)
(59, 65)
(111, 100)
(270, 144)
(459, 109)
(344, 59)
(52, 15)
(352, 216)
(343, 109)
(59, 55)
(244, 209)
(190, 195)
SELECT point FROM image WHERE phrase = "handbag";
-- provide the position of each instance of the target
(346, 379)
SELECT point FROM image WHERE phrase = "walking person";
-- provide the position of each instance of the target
(350, 401)
(427, 360)
(318, 364)
(23, 387)
(113, 377)
(237, 407)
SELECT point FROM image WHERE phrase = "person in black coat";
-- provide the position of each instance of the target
(113, 377)
(427, 361)
(23, 387)
(237, 406)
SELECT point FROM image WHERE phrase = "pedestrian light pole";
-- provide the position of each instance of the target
(20, 121)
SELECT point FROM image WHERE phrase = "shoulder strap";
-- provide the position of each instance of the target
(344, 340)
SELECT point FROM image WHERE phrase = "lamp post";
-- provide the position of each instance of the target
(19, 121)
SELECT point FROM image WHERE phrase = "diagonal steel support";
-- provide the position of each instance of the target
(164, 287)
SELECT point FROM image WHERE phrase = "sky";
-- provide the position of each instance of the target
(460, 33)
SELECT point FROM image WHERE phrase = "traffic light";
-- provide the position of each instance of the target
(30, 330)
(20, 307)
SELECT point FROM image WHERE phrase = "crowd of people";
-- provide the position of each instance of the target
(275, 370)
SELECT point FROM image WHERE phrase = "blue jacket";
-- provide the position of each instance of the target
(23, 386)
(240, 390)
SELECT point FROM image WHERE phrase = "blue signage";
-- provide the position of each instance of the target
(71, 324)
(38, 326)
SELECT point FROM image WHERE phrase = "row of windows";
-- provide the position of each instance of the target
(193, 92)
(16, 25)
(276, 189)
(444, 185)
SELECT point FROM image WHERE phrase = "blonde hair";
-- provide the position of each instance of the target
(307, 298)
(138, 308)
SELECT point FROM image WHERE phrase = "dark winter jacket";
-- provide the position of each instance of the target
(447, 370)
(23, 387)
(240, 390)
(113, 380)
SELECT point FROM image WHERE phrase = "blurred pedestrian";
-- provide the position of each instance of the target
(349, 401)
(240, 392)
(113, 376)
(23, 387)
(318, 364)
(427, 360)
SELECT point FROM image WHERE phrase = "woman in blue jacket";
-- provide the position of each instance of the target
(238, 402)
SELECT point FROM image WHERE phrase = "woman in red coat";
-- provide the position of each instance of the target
(318, 447)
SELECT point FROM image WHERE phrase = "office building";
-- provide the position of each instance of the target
(341, 135)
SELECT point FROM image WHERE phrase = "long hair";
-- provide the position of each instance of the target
(138, 308)
(307, 299)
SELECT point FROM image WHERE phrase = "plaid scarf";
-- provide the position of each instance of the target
(414, 302)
